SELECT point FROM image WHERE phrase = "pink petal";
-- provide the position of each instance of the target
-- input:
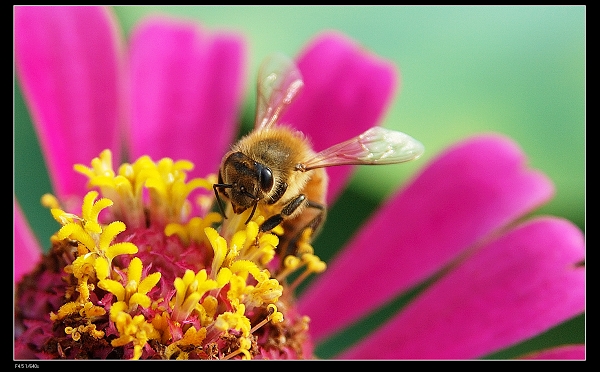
(27, 250)
(186, 87)
(565, 352)
(346, 91)
(469, 191)
(67, 64)
(510, 290)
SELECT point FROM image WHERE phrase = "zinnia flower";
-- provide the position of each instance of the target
(137, 270)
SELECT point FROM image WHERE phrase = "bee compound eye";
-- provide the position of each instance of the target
(266, 179)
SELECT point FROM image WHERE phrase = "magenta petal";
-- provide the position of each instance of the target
(565, 352)
(27, 251)
(186, 88)
(67, 64)
(510, 290)
(469, 191)
(346, 91)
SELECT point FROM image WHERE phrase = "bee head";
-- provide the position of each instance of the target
(243, 181)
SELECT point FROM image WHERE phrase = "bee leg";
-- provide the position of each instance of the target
(315, 223)
(287, 211)
(271, 223)
(288, 244)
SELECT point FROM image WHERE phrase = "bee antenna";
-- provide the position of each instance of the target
(219, 201)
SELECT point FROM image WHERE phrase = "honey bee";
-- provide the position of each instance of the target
(275, 167)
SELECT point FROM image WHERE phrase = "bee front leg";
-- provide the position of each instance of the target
(287, 211)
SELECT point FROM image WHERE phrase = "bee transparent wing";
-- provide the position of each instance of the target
(375, 146)
(279, 80)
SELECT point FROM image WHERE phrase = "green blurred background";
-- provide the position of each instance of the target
(516, 70)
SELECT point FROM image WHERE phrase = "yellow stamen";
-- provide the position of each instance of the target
(245, 345)
(313, 265)
(133, 330)
(205, 311)
(189, 291)
(274, 316)
(234, 320)
(133, 293)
